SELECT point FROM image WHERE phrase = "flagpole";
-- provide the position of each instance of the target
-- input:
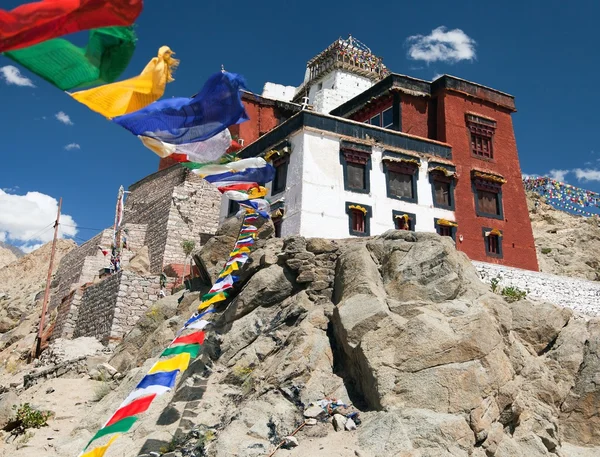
(117, 227)
(38, 346)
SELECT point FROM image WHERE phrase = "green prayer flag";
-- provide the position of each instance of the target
(67, 66)
(206, 297)
(191, 349)
(118, 427)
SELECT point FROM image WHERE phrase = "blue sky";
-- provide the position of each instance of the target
(542, 52)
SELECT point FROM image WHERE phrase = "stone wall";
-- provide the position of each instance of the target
(97, 309)
(194, 212)
(175, 205)
(73, 268)
(134, 297)
(577, 294)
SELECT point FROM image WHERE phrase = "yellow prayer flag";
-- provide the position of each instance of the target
(179, 362)
(211, 301)
(100, 450)
(230, 269)
(257, 192)
(127, 96)
(239, 251)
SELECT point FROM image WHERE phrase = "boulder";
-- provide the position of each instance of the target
(7, 401)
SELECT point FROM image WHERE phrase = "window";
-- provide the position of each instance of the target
(401, 184)
(488, 202)
(404, 221)
(401, 180)
(233, 208)
(280, 179)
(493, 242)
(376, 120)
(442, 187)
(356, 165)
(277, 223)
(358, 221)
(481, 131)
(356, 176)
(387, 118)
(445, 228)
(488, 195)
(358, 218)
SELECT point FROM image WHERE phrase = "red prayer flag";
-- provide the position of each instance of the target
(192, 338)
(35, 22)
(239, 186)
(135, 407)
(179, 157)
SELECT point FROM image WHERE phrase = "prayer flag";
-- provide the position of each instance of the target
(245, 242)
(192, 338)
(261, 174)
(255, 192)
(237, 251)
(133, 94)
(156, 390)
(118, 427)
(191, 349)
(188, 120)
(35, 22)
(67, 66)
(210, 295)
(199, 152)
(233, 167)
(222, 284)
(195, 325)
(158, 379)
(100, 450)
(198, 316)
(246, 186)
(179, 362)
(216, 299)
(230, 268)
(135, 407)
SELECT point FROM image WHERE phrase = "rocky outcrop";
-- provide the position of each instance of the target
(566, 244)
(397, 332)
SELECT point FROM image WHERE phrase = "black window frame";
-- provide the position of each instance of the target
(401, 168)
(232, 208)
(367, 219)
(391, 111)
(281, 165)
(500, 253)
(412, 217)
(441, 177)
(358, 157)
(452, 228)
(485, 129)
(479, 184)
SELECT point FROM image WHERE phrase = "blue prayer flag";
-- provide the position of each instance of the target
(260, 175)
(166, 379)
(188, 120)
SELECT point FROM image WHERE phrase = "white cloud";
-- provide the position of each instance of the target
(442, 45)
(64, 118)
(558, 175)
(72, 146)
(2, 236)
(588, 174)
(12, 75)
(30, 248)
(436, 76)
(24, 218)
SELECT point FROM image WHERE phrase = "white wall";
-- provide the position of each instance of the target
(577, 294)
(278, 92)
(338, 87)
(324, 198)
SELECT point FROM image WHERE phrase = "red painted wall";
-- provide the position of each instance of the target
(414, 115)
(517, 243)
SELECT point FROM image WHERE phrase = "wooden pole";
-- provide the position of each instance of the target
(38, 348)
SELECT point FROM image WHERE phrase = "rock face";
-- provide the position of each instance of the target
(23, 279)
(397, 328)
(566, 244)
(6, 255)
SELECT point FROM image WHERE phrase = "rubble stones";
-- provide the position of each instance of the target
(339, 422)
